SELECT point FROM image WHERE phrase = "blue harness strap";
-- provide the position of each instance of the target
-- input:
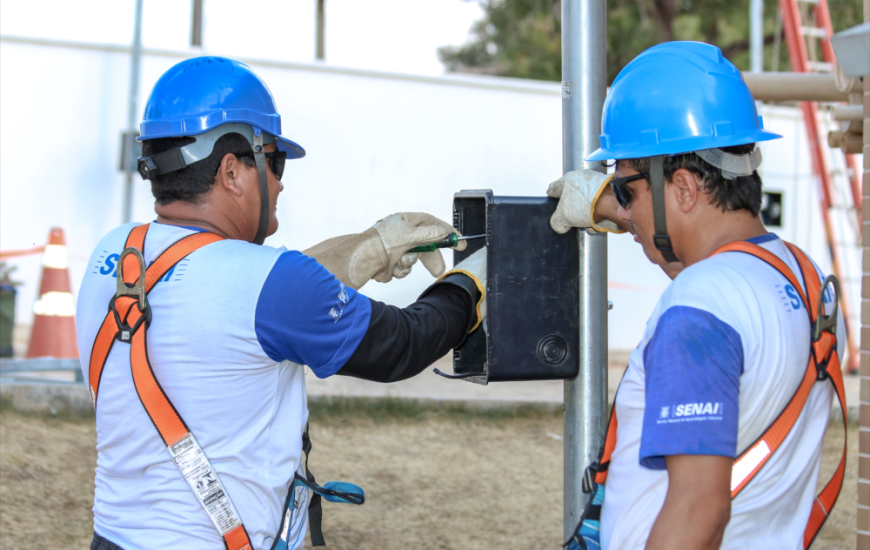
(297, 494)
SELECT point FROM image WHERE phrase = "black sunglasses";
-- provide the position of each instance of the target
(621, 190)
(275, 161)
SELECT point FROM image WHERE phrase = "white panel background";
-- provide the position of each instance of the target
(376, 145)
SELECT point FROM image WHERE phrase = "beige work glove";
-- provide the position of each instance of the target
(381, 252)
(474, 267)
(577, 192)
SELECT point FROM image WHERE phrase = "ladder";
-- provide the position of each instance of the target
(808, 31)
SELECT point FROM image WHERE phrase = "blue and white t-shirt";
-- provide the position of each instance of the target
(233, 323)
(722, 354)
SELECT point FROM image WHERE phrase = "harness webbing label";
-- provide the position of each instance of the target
(204, 482)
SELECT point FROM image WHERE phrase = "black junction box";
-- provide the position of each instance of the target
(533, 284)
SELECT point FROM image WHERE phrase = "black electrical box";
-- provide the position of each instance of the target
(532, 295)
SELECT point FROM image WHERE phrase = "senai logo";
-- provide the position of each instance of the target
(695, 409)
(691, 412)
(107, 264)
(792, 298)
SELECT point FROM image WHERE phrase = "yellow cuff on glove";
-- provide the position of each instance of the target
(474, 267)
(606, 225)
(578, 191)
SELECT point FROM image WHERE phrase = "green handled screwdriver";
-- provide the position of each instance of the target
(447, 242)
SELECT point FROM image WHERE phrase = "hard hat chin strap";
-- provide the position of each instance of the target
(260, 159)
(657, 187)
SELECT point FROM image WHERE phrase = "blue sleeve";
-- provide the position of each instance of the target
(693, 365)
(306, 315)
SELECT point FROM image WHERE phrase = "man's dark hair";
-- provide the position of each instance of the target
(190, 183)
(741, 193)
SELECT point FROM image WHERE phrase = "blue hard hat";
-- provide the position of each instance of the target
(677, 97)
(203, 93)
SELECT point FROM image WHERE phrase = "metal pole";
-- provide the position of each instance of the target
(133, 112)
(756, 35)
(196, 24)
(320, 53)
(584, 80)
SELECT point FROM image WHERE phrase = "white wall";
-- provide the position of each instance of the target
(376, 143)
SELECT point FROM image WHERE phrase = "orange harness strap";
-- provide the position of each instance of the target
(824, 363)
(127, 321)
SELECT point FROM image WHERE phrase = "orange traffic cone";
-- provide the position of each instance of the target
(54, 323)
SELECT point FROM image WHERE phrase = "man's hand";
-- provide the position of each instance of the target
(697, 505)
(402, 232)
(381, 252)
(585, 200)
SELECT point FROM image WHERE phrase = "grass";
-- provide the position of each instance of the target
(436, 477)
(392, 409)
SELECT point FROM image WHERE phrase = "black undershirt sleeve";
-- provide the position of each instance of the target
(401, 342)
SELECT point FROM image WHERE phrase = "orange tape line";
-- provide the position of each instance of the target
(26, 252)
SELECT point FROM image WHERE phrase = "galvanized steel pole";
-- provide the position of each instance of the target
(756, 35)
(584, 80)
(320, 35)
(132, 113)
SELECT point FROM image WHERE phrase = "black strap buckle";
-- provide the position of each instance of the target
(161, 163)
(663, 243)
(588, 484)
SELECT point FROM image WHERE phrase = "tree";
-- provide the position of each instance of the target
(522, 38)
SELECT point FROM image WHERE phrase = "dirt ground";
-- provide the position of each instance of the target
(449, 478)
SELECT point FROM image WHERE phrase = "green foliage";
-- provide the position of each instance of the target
(522, 38)
(6, 274)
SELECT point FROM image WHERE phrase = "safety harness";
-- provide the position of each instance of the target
(127, 321)
(823, 364)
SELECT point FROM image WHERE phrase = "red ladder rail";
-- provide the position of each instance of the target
(799, 55)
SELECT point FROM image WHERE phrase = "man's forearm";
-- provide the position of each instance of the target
(688, 527)
(401, 342)
(697, 506)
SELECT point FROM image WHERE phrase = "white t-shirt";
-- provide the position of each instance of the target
(721, 356)
(232, 325)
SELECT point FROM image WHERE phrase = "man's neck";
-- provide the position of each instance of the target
(197, 215)
(715, 229)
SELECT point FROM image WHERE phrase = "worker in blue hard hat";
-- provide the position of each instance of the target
(197, 367)
(716, 434)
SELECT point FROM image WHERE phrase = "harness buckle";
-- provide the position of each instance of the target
(827, 323)
(588, 483)
(138, 289)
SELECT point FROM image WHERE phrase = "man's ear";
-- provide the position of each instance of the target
(229, 175)
(687, 189)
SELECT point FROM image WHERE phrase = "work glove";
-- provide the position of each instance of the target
(381, 252)
(577, 192)
(474, 267)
